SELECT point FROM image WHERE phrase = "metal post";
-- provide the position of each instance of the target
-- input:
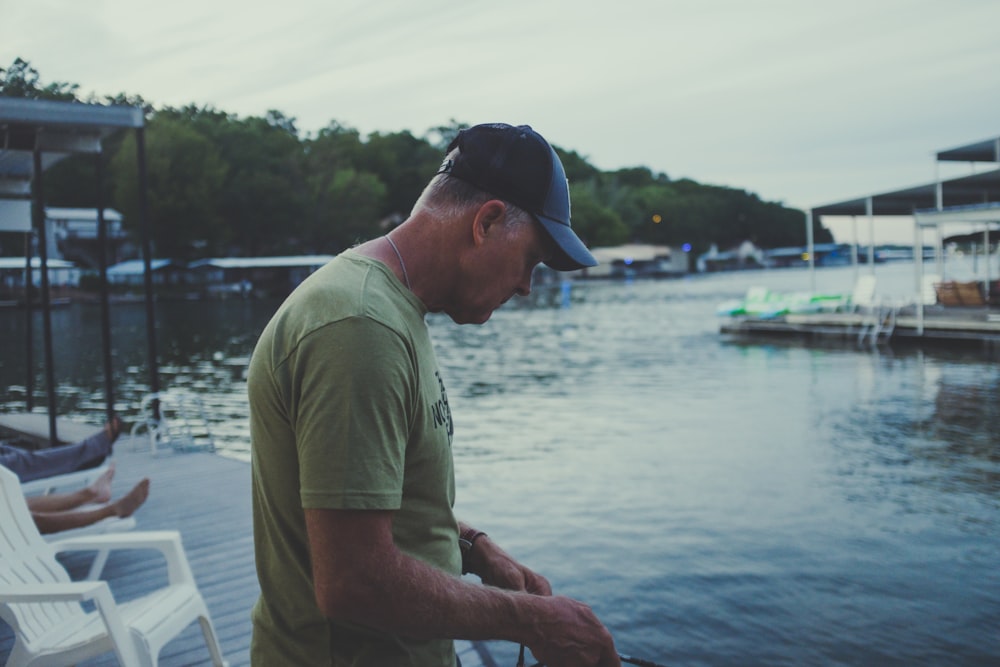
(43, 255)
(29, 326)
(986, 258)
(939, 250)
(918, 255)
(102, 264)
(939, 200)
(855, 242)
(147, 252)
(869, 209)
(812, 251)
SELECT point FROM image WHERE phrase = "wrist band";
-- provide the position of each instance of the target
(466, 540)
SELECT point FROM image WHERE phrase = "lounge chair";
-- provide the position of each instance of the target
(46, 609)
(863, 297)
(68, 481)
(109, 525)
(174, 421)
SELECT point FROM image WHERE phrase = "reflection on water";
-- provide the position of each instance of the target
(717, 503)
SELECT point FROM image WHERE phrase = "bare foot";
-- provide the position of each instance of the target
(113, 427)
(130, 502)
(100, 490)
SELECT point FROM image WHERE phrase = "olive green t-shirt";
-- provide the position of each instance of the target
(347, 411)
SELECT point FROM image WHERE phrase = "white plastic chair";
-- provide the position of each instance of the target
(67, 481)
(177, 422)
(863, 297)
(75, 480)
(45, 608)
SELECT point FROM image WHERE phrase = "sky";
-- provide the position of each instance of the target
(798, 101)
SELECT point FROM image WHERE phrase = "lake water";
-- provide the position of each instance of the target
(717, 502)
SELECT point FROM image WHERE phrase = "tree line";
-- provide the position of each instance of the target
(224, 185)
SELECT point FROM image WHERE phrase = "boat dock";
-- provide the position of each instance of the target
(206, 497)
(942, 326)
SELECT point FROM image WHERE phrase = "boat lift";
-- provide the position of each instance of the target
(34, 135)
(970, 200)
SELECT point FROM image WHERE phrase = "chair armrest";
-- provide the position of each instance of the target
(167, 542)
(78, 479)
(76, 591)
(97, 591)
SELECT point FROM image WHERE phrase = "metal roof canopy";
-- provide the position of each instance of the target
(969, 190)
(56, 129)
(34, 135)
(987, 150)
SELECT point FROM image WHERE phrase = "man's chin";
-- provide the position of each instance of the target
(470, 318)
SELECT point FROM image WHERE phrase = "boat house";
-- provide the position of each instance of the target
(636, 260)
(270, 276)
(34, 135)
(72, 234)
(941, 309)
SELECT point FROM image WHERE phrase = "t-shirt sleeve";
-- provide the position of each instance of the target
(352, 415)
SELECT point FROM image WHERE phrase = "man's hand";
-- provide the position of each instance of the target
(570, 635)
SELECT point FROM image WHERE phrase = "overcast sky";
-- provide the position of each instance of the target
(798, 101)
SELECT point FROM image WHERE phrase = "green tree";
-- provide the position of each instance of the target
(403, 163)
(22, 80)
(263, 200)
(353, 201)
(185, 173)
(594, 222)
(577, 169)
(335, 150)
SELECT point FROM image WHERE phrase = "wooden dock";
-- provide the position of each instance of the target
(207, 498)
(953, 327)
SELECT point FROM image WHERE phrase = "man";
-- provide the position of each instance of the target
(358, 551)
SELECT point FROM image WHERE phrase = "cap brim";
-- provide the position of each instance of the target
(571, 253)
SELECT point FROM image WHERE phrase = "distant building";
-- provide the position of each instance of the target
(72, 234)
(638, 260)
(61, 273)
(274, 276)
(746, 256)
(827, 254)
(132, 272)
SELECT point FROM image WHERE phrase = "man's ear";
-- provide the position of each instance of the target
(488, 219)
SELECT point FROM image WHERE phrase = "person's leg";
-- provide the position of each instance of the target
(54, 522)
(98, 492)
(30, 465)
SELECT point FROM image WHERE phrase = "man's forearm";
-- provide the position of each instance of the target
(367, 580)
(406, 596)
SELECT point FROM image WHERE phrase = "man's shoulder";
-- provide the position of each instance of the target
(350, 290)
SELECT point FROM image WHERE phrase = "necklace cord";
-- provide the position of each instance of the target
(402, 264)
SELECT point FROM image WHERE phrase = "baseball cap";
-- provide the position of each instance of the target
(516, 164)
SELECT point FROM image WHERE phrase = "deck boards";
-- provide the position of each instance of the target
(207, 498)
